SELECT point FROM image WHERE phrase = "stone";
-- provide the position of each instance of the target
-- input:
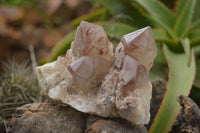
(188, 120)
(92, 79)
(101, 125)
(47, 118)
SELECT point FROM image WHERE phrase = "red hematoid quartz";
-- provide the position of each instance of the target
(92, 79)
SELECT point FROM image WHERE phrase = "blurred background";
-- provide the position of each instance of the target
(34, 32)
(36, 23)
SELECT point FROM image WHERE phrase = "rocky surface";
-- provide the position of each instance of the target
(189, 119)
(100, 125)
(51, 118)
(47, 118)
(93, 80)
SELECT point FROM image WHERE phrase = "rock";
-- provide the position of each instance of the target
(100, 125)
(191, 112)
(51, 118)
(93, 80)
(189, 119)
(47, 118)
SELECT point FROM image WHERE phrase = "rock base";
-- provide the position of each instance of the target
(47, 118)
(50, 118)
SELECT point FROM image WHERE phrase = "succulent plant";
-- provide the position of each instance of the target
(176, 32)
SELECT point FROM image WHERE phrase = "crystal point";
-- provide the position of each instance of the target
(141, 46)
(91, 79)
(91, 40)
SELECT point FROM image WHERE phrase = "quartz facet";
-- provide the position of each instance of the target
(141, 46)
(92, 79)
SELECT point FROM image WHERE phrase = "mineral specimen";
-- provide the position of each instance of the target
(126, 91)
(93, 80)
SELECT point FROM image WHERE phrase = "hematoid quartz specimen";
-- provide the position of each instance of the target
(92, 79)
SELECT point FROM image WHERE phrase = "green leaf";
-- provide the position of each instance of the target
(160, 58)
(197, 52)
(196, 15)
(19, 3)
(160, 34)
(61, 47)
(197, 78)
(116, 30)
(196, 25)
(170, 43)
(186, 47)
(125, 12)
(194, 34)
(179, 6)
(88, 17)
(158, 71)
(162, 37)
(183, 21)
(159, 11)
(195, 42)
(160, 14)
(168, 3)
(180, 82)
(195, 37)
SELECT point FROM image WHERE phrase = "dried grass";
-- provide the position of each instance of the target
(18, 86)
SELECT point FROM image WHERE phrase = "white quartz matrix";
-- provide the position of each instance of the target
(93, 79)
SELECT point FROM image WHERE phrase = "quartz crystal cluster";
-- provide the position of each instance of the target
(93, 79)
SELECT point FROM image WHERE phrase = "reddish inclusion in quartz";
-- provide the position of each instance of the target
(93, 80)
(141, 46)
